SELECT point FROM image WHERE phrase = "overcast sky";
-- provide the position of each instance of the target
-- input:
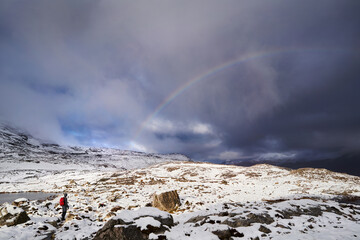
(210, 79)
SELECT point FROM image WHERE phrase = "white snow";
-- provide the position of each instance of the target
(144, 222)
(21, 200)
(7, 208)
(130, 215)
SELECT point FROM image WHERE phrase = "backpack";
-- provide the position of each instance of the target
(62, 201)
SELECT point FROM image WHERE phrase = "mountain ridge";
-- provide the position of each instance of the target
(18, 146)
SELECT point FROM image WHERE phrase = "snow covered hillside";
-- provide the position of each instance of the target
(260, 201)
(112, 189)
(23, 156)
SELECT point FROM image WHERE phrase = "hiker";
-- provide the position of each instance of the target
(64, 205)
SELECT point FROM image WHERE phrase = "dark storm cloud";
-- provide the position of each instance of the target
(320, 115)
(92, 72)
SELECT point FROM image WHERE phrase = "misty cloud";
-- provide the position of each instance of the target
(92, 72)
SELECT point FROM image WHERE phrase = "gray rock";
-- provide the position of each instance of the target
(12, 215)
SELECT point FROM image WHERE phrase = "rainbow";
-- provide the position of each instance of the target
(219, 68)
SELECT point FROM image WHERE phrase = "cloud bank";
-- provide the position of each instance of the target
(95, 73)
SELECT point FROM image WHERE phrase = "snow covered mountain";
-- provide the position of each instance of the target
(23, 151)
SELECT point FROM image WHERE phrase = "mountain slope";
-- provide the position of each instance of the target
(22, 155)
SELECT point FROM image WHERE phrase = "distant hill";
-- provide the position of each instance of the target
(347, 163)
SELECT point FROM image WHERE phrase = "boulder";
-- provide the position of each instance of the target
(138, 224)
(11, 215)
(22, 203)
(167, 201)
(120, 232)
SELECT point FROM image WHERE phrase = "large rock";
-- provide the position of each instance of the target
(11, 215)
(167, 201)
(138, 224)
(20, 201)
(120, 232)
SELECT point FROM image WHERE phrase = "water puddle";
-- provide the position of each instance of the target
(10, 197)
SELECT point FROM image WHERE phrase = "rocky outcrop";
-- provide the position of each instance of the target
(11, 215)
(136, 225)
(167, 201)
(249, 220)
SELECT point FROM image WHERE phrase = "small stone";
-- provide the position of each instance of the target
(44, 227)
(282, 226)
(117, 208)
(227, 233)
(161, 237)
(224, 214)
(264, 229)
(222, 234)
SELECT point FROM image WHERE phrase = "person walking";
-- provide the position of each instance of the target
(64, 205)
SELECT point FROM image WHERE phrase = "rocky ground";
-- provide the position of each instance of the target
(215, 202)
